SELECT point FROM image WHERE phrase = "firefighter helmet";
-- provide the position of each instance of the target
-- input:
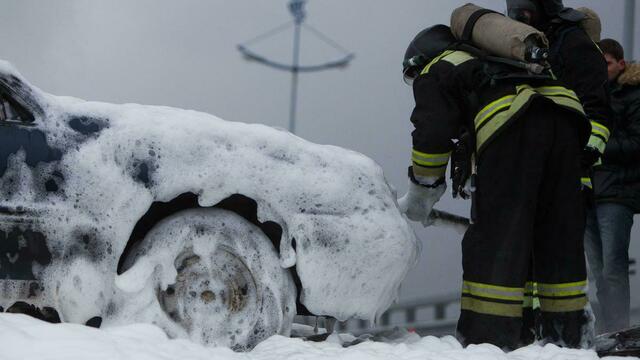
(428, 44)
(535, 12)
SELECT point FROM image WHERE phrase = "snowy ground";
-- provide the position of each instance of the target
(22, 337)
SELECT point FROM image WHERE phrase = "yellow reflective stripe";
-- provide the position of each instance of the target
(563, 305)
(458, 57)
(438, 58)
(565, 289)
(561, 293)
(493, 116)
(562, 285)
(490, 308)
(490, 286)
(532, 302)
(453, 57)
(597, 143)
(597, 128)
(555, 91)
(500, 119)
(492, 291)
(419, 171)
(586, 181)
(426, 159)
(493, 108)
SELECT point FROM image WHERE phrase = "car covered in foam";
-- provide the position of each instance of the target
(216, 231)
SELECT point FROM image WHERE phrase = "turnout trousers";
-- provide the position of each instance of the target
(523, 258)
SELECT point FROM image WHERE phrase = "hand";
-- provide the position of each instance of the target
(418, 202)
(461, 166)
(590, 157)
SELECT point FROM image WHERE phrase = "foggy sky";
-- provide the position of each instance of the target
(183, 54)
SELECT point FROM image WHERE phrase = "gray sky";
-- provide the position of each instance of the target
(183, 54)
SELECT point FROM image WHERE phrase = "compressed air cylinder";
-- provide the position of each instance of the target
(591, 23)
(494, 33)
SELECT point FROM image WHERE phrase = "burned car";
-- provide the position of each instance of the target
(215, 231)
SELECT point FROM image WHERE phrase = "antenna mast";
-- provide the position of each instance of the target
(296, 7)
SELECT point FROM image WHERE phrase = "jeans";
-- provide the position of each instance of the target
(607, 235)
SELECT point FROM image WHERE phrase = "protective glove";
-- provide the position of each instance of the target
(418, 202)
(590, 157)
(461, 166)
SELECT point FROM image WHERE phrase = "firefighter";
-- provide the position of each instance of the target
(577, 62)
(527, 135)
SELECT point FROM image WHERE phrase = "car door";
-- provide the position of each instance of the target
(28, 177)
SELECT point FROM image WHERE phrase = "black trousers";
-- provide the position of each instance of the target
(523, 259)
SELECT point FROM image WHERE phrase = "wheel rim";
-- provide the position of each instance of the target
(218, 279)
(213, 298)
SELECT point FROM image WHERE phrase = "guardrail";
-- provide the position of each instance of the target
(432, 316)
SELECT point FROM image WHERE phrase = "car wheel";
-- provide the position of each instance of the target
(225, 285)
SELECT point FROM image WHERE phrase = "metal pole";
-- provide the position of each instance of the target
(294, 77)
(629, 28)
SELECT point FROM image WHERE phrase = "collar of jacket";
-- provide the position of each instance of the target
(630, 76)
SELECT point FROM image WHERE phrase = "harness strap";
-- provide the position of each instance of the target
(471, 23)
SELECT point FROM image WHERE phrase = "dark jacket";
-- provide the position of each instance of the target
(579, 64)
(618, 178)
(457, 90)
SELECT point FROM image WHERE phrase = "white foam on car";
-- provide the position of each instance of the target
(352, 245)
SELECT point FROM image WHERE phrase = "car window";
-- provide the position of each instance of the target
(12, 111)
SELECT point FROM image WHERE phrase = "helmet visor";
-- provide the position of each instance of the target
(409, 75)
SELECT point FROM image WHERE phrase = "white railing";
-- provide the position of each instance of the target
(431, 316)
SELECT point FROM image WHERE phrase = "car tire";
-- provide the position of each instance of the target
(225, 285)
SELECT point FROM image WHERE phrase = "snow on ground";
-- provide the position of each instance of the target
(25, 338)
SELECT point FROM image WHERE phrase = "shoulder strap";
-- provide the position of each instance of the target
(471, 23)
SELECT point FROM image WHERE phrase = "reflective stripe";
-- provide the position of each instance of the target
(597, 143)
(493, 116)
(559, 290)
(532, 302)
(458, 57)
(586, 181)
(453, 57)
(492, 291)
(493, 108)
(490, 308)
(491, 124)
(438, 58)
(563, 305)
(557, 91)
(425, 159)
(561, 96)
(531, 295)
(420, 171)
(599, 129)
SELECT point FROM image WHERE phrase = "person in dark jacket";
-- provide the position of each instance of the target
(527, 236)
(576, 61)
(617, 194)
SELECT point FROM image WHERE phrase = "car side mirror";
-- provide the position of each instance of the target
(11, 111)
(19, 102)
